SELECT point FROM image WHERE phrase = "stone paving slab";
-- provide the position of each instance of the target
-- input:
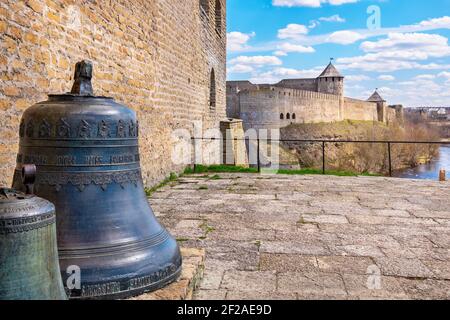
(313, 237)
(184, 287)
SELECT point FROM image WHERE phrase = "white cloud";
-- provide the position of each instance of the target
(256, 60)
(310, 3)
(249, 64)
(300, 34)
(237, 41)
(419, 91)
(292, 31)
(344, 37)
(445, 75)
(443, 22)
(425, 77)
(399, 51)
(417, 46)
(333, 18)
(240, 68)
(386, 77)
(285, 48)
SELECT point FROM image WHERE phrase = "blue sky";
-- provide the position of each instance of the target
(399, 46)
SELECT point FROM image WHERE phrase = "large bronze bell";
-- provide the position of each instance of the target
(86, 152)
(29, 267)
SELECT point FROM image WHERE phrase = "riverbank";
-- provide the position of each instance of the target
(356, 157)
(430, 170)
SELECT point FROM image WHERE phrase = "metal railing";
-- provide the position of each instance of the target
(388, 143)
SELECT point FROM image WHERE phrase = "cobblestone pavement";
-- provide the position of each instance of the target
(313, 237)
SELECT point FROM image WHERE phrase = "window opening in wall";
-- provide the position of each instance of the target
(212, 90)
(288, 116)
(281, 116)
(218, 17)
(294, 116)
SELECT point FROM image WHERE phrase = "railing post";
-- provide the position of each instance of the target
(258, 156)
(323, 157)
(390, 159)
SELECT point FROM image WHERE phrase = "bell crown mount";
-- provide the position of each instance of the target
(82, 79)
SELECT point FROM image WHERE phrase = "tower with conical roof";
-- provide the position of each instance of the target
(331, 81)
(376, 97)
(381, 105)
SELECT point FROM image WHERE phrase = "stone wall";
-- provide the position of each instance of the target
(233, 89)
(333, 85)
(300, 84)
(355, 109)
(234, 145)
(396, 114)
(154, 56)
(273, 107)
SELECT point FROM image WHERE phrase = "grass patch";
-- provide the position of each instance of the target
(150, 190)
(219, 169)
(237, 169)
(338, 173)
(203, 188)
(207, 229)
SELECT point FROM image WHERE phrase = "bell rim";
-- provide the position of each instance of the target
(130, 294)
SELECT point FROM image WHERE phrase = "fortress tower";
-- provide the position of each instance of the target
(331, 81)
(381, 105)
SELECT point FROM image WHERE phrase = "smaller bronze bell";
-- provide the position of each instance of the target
(29, 268)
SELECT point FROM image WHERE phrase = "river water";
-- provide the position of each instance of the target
(430, 170)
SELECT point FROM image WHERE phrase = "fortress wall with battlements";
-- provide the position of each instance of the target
(315, 100)
(274, 107)
(262, 108)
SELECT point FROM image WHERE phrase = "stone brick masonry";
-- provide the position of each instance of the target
(154, 56)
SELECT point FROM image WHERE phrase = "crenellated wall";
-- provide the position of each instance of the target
(271, 107)
(262, 108)
(293, 101)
